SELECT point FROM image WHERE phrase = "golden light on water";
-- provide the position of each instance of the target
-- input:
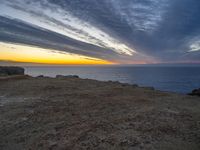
(27, 54)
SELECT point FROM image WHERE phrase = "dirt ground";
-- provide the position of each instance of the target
(78, 114)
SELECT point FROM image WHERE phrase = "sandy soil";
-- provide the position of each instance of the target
(72, 114)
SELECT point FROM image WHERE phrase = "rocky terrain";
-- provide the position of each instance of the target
(195, 92)
(4, 71)
(69, 113)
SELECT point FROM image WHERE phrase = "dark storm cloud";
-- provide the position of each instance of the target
(158, 30)
(180, 26)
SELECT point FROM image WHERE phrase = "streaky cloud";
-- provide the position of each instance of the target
(127, 31)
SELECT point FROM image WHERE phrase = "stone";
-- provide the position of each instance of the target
(64, 77)
(40, 76)
(5, 71)
(195, 92)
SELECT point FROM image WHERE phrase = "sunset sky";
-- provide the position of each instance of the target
(100, 31)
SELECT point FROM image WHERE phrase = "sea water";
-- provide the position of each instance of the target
(181, 79)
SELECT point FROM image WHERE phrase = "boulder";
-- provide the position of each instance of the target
(60, 77)
(73, 76)
(195, 92)
(40, 76)
(150, 88)
(5, 71)
(65, 77)
(135, 85)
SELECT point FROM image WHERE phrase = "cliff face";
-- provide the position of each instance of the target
(11, 71)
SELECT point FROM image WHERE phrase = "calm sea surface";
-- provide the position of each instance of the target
(174, 79)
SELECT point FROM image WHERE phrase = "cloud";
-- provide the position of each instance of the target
(19, 32)
(72, 27)
(125, 31)
(195, 46)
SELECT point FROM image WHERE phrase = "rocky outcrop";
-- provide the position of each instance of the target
(5, 71)
(195, 92)
(65, 77)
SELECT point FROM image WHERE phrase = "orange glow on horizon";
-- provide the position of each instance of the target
(27, 54)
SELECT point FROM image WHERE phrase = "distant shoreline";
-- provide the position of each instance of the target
(170, 79)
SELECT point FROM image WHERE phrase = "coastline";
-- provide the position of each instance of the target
(172, 79)
(74, 113)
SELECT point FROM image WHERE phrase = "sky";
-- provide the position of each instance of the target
(100, 31)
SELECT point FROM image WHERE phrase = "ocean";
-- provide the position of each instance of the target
(178, 79)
